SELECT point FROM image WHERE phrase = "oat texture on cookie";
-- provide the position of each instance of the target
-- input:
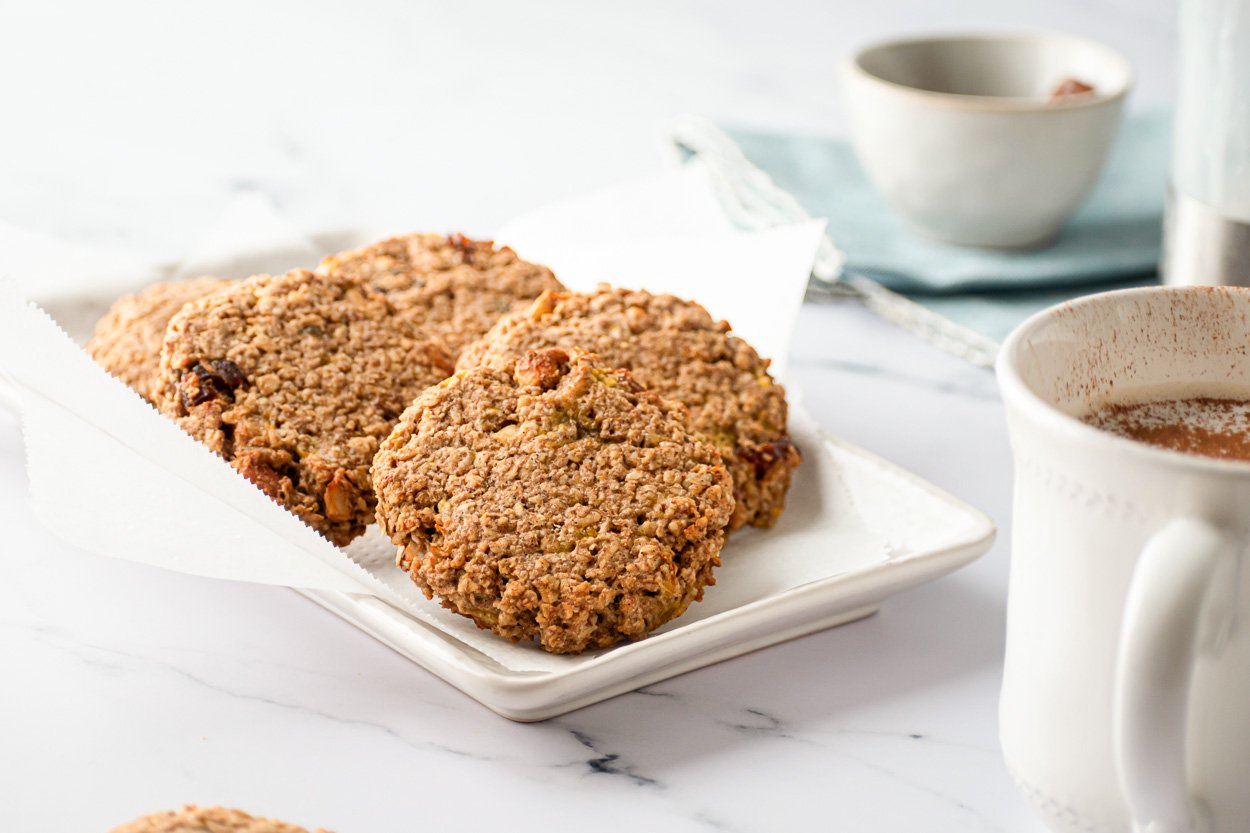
(677, 349)
(553, 499)
(456, 287)
(127, 339)
(295, 379)
(192, 819)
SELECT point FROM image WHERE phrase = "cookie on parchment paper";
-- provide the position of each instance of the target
(295, 379)
(127, 339)
(677, 349)
(457, 287)
(554, 499)
(192, 819)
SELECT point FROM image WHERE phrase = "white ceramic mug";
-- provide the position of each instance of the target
(1126, 691)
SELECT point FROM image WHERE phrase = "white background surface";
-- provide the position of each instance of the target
(127, 689)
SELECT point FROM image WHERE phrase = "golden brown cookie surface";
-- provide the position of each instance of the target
(677, 349)
(455, 286)
(191, 819)
(295, 379)
(127, 340)
(553, 499)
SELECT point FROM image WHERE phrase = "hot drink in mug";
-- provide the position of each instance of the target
(1126, 690)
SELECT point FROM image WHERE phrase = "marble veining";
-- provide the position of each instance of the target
(114, 661)
(974, 387)
(610, 763)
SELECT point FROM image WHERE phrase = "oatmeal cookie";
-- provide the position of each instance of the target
(192, 819)
(677, 349)
(127, 340)
(295, 379)
(553, 499)
(456, 287)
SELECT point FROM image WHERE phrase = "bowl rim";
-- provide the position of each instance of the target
(964, 101)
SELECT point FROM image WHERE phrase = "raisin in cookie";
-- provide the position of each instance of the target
(191, 819)
(295, 379)
(677, 349)
(553, 499)
(456, 287)
(127, 340)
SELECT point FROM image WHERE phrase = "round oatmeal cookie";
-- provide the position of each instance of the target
(455, 286)
(677, 349)
(295, 379)
(192, 819)
(553, 499)
(127, 340)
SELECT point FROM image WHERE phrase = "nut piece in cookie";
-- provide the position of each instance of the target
(553, 499)
(678, 350)
(295, 379)
(456, 287)
(192, 819)
(127, 340)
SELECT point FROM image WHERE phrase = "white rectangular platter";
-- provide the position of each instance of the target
(856, 530)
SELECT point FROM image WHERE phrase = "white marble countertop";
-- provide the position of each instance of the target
(128, 689)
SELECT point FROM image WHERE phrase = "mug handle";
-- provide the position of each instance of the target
(1180, 605)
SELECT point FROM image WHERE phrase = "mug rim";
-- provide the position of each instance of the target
(991, 103)
(1051, 418)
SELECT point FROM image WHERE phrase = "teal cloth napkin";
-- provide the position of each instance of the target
(1113, 240)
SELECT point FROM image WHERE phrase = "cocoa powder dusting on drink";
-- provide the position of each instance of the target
(1203, 425)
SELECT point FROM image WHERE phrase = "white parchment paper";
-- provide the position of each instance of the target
(110, 475)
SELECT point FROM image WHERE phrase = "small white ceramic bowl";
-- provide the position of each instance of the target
(961, 134)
